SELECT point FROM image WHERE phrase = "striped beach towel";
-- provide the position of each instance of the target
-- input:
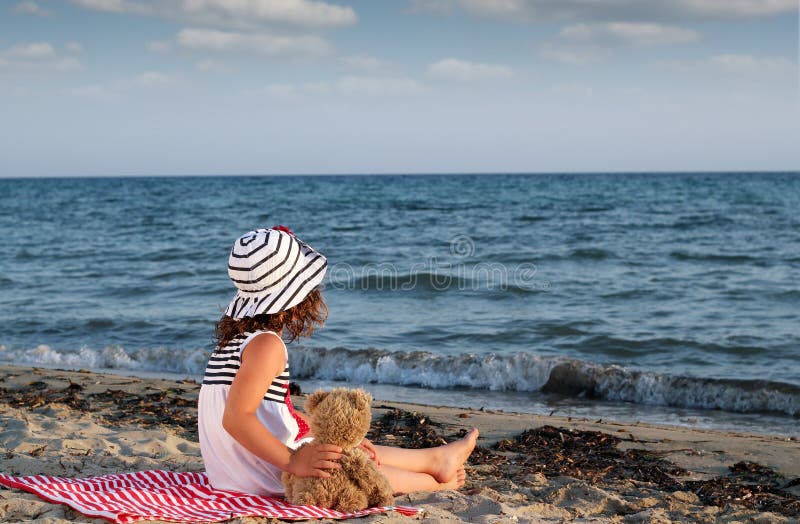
(165, 495)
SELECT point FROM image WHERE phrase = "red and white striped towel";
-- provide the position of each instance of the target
(165, 495)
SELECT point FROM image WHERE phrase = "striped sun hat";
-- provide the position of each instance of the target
(273, 271)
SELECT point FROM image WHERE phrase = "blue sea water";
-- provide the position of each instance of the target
(655, 297)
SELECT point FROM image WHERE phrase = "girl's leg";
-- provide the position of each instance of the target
(441, 463)
(405, 481)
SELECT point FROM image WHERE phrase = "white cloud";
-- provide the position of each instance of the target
(68, 64)
(363, 62)
(98, 91)
(378, 86)
(734, 64)
(297, 12)
(463, 71)
(210, 66)
(36, 56)
(32, 51)
(752, 64)
(31, 8)
(159, 46)
(346, 85)
(285, 91)
(570, 54)
(116, 6)
(292, 91)
(605, 10)
(630, 33)
(153, 79)
(588, 43)
(215, 40)
(74, 47)
(738, 8)
(234, 13)
(735, 75)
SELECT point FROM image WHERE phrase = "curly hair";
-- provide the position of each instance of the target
(296, 322)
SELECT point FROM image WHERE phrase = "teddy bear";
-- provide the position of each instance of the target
(341, 417)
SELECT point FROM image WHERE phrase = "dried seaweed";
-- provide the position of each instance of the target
(38, 394)
(407, 429)
(595, 456)
(590, 455)
(162, 408)
(751, 485)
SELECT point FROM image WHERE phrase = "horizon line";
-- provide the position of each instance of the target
(421, 174)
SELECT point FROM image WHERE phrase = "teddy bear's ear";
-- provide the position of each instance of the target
(360, 399)
(315, 398)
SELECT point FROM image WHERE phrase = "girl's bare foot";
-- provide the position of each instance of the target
(456, 482)
(451, 458)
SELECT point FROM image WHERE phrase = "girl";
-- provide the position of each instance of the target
(248, 428)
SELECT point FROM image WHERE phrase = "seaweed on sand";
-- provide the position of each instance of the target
(591, 455)
(752, 485)
(407, 429)
(170, 407)
(162, 408)
(595, 456)
(38, 394)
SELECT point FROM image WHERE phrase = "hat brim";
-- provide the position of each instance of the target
(306, 275)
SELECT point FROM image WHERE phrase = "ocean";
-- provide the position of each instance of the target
(666, 298)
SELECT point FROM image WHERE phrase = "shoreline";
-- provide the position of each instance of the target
(107, 423)
(621, 412)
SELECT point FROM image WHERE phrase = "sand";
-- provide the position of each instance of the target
(113, 424)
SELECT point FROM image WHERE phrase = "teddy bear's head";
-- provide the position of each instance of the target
(340, 416)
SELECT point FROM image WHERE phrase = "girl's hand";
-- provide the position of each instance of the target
(370, 450)
(312, 460)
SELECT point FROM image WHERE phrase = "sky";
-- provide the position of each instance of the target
(216, 87)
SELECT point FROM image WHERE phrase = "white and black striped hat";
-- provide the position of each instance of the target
(273, 270)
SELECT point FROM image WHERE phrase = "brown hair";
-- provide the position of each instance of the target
(296, 322)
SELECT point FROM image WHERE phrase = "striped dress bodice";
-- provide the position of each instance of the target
(224, 364)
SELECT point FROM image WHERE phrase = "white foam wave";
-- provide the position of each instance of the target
(524, 372)
(519, 372)
(166, 360)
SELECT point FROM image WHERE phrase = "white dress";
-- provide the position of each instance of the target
(229, 465)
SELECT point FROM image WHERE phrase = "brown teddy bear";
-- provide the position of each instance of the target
(341, 417)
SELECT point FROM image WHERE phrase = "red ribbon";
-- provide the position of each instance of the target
(284, 229)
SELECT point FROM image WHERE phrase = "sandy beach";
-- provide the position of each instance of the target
(527, 468)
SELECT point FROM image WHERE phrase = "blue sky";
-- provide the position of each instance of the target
(179, 87)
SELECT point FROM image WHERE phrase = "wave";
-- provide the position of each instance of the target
(156, 360)
(584, 253)
(489, 278)
(170, 275)
(524, 372)
(713, 257)
(702, 220)
(590, 253)
(532, 218)
(643, 387)
(517, 372)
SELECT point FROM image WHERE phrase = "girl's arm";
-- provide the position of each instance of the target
(262, 360)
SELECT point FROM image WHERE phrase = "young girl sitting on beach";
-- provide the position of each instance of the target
(248, 428)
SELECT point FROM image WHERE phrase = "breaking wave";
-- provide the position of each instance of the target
(517, 372)
(524, 372)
